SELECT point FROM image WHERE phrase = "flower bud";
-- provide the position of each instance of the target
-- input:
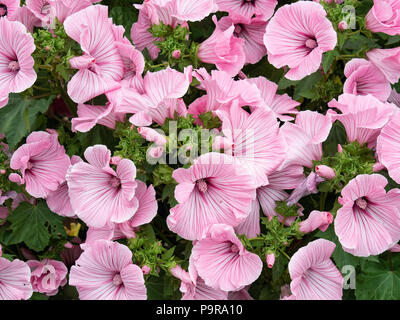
(316, 220)
(146, 269)
(342, 25)
(339, 148)
(325, 172)
(176, 54)
(270, 260)
(115, 160)
(339, 1)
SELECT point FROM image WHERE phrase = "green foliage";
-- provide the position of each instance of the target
(21, 116)
(209, 121)
(34, 225)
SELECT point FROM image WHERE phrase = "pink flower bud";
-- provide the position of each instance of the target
(152, 135)
(316, 220)
(270, 260)
(339, 1)
(342, 25)
(115, 160)
(155, 152)
(325, 172)
(2, 171)
(176, 54)
(339, 148)
(395, 248)
(146, 269)
(68, 245)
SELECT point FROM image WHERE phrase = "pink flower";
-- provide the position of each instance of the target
(254, 140)
(282, 105)
(306, 187)
(248, 8)
(89, 116)
(240, 267)
(364, 78)
(100, 67)
(394, 98)
(193, 287)
(387, 61)
(64, 8)
(252, 32)
(213, 190)
(384, 17)
(152, 135)
(133, 63)
(223, 49)
(99, 194)
(369, 221)
(15, 279)
(325, 172)
(16, 62)
(313, 274)
(26, 17)
(362, 116)
(188, 10)
(316, 220)
(146, 269)
(47, 276)
(8, 8)
(42, 162)
(300, 43)
(105, 271)
(388, 146)
(270, 260)
(159, 99)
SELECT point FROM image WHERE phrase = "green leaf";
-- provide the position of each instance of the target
(306, 87)
(328, 59)
(340, 257)
(379, 281)
(336, 136)
(34, 225)
(19, 115)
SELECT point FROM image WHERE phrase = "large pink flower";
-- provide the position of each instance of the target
(99, 194)
(369, 221)
(222, 261)
(213, 190)
(47, 276)
(297, 36)
(364, 78)
(15, 279)
(252, 32)
(263, 9)
(253, 140)
(42, 162)
(8, 8)
(194, 288)
(362, 116)
(387, 61)
(388, 147)
(105, 271)
(313, 274)
(384, 17)
(16, 63)
(26, 17)
(223, 49)
(100, 67)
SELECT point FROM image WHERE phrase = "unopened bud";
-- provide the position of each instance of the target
(342, 25)
(325, 172)
(270, 260)
(146, 269)
(176, 54)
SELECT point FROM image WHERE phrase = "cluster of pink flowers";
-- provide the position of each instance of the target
(264, 153)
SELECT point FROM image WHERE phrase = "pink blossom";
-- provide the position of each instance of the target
(194, 288)
(282, 105)
(133, 63)
(300, 43)
(223, 49)
(99, 194)
(325, 172)
(152, 135)
(100, 67)
(384, 17)
(43, 163)
(159, 99)
(364, 78)
(213, 190)
(188, 10)
(240, 267)
(362, 116)
(8, 8)
(316, 220)
(388, 146)
(64, 8)
(394, 98)
(387, 61)
(252, 32)
(105, 271)
(16, 63)
(247, 9)
(26, 17)
(15, 280)
(257, 149)
(306, 187)
(368, 223)
(47, 276)
(313, 274)
(89, 116)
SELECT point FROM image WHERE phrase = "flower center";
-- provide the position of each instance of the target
(13, 66)
(115, 182)
(202, 185)
(29, 165)
(3, 10)
(117, 280)
(311, 43)
(238, 29)
(46, 9)
(362, 203)
(133, 68)
(249, 1)
(234, 248)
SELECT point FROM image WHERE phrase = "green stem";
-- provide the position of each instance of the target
(41, 96)
(322, 201)
(41, 89)
(284, 253)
